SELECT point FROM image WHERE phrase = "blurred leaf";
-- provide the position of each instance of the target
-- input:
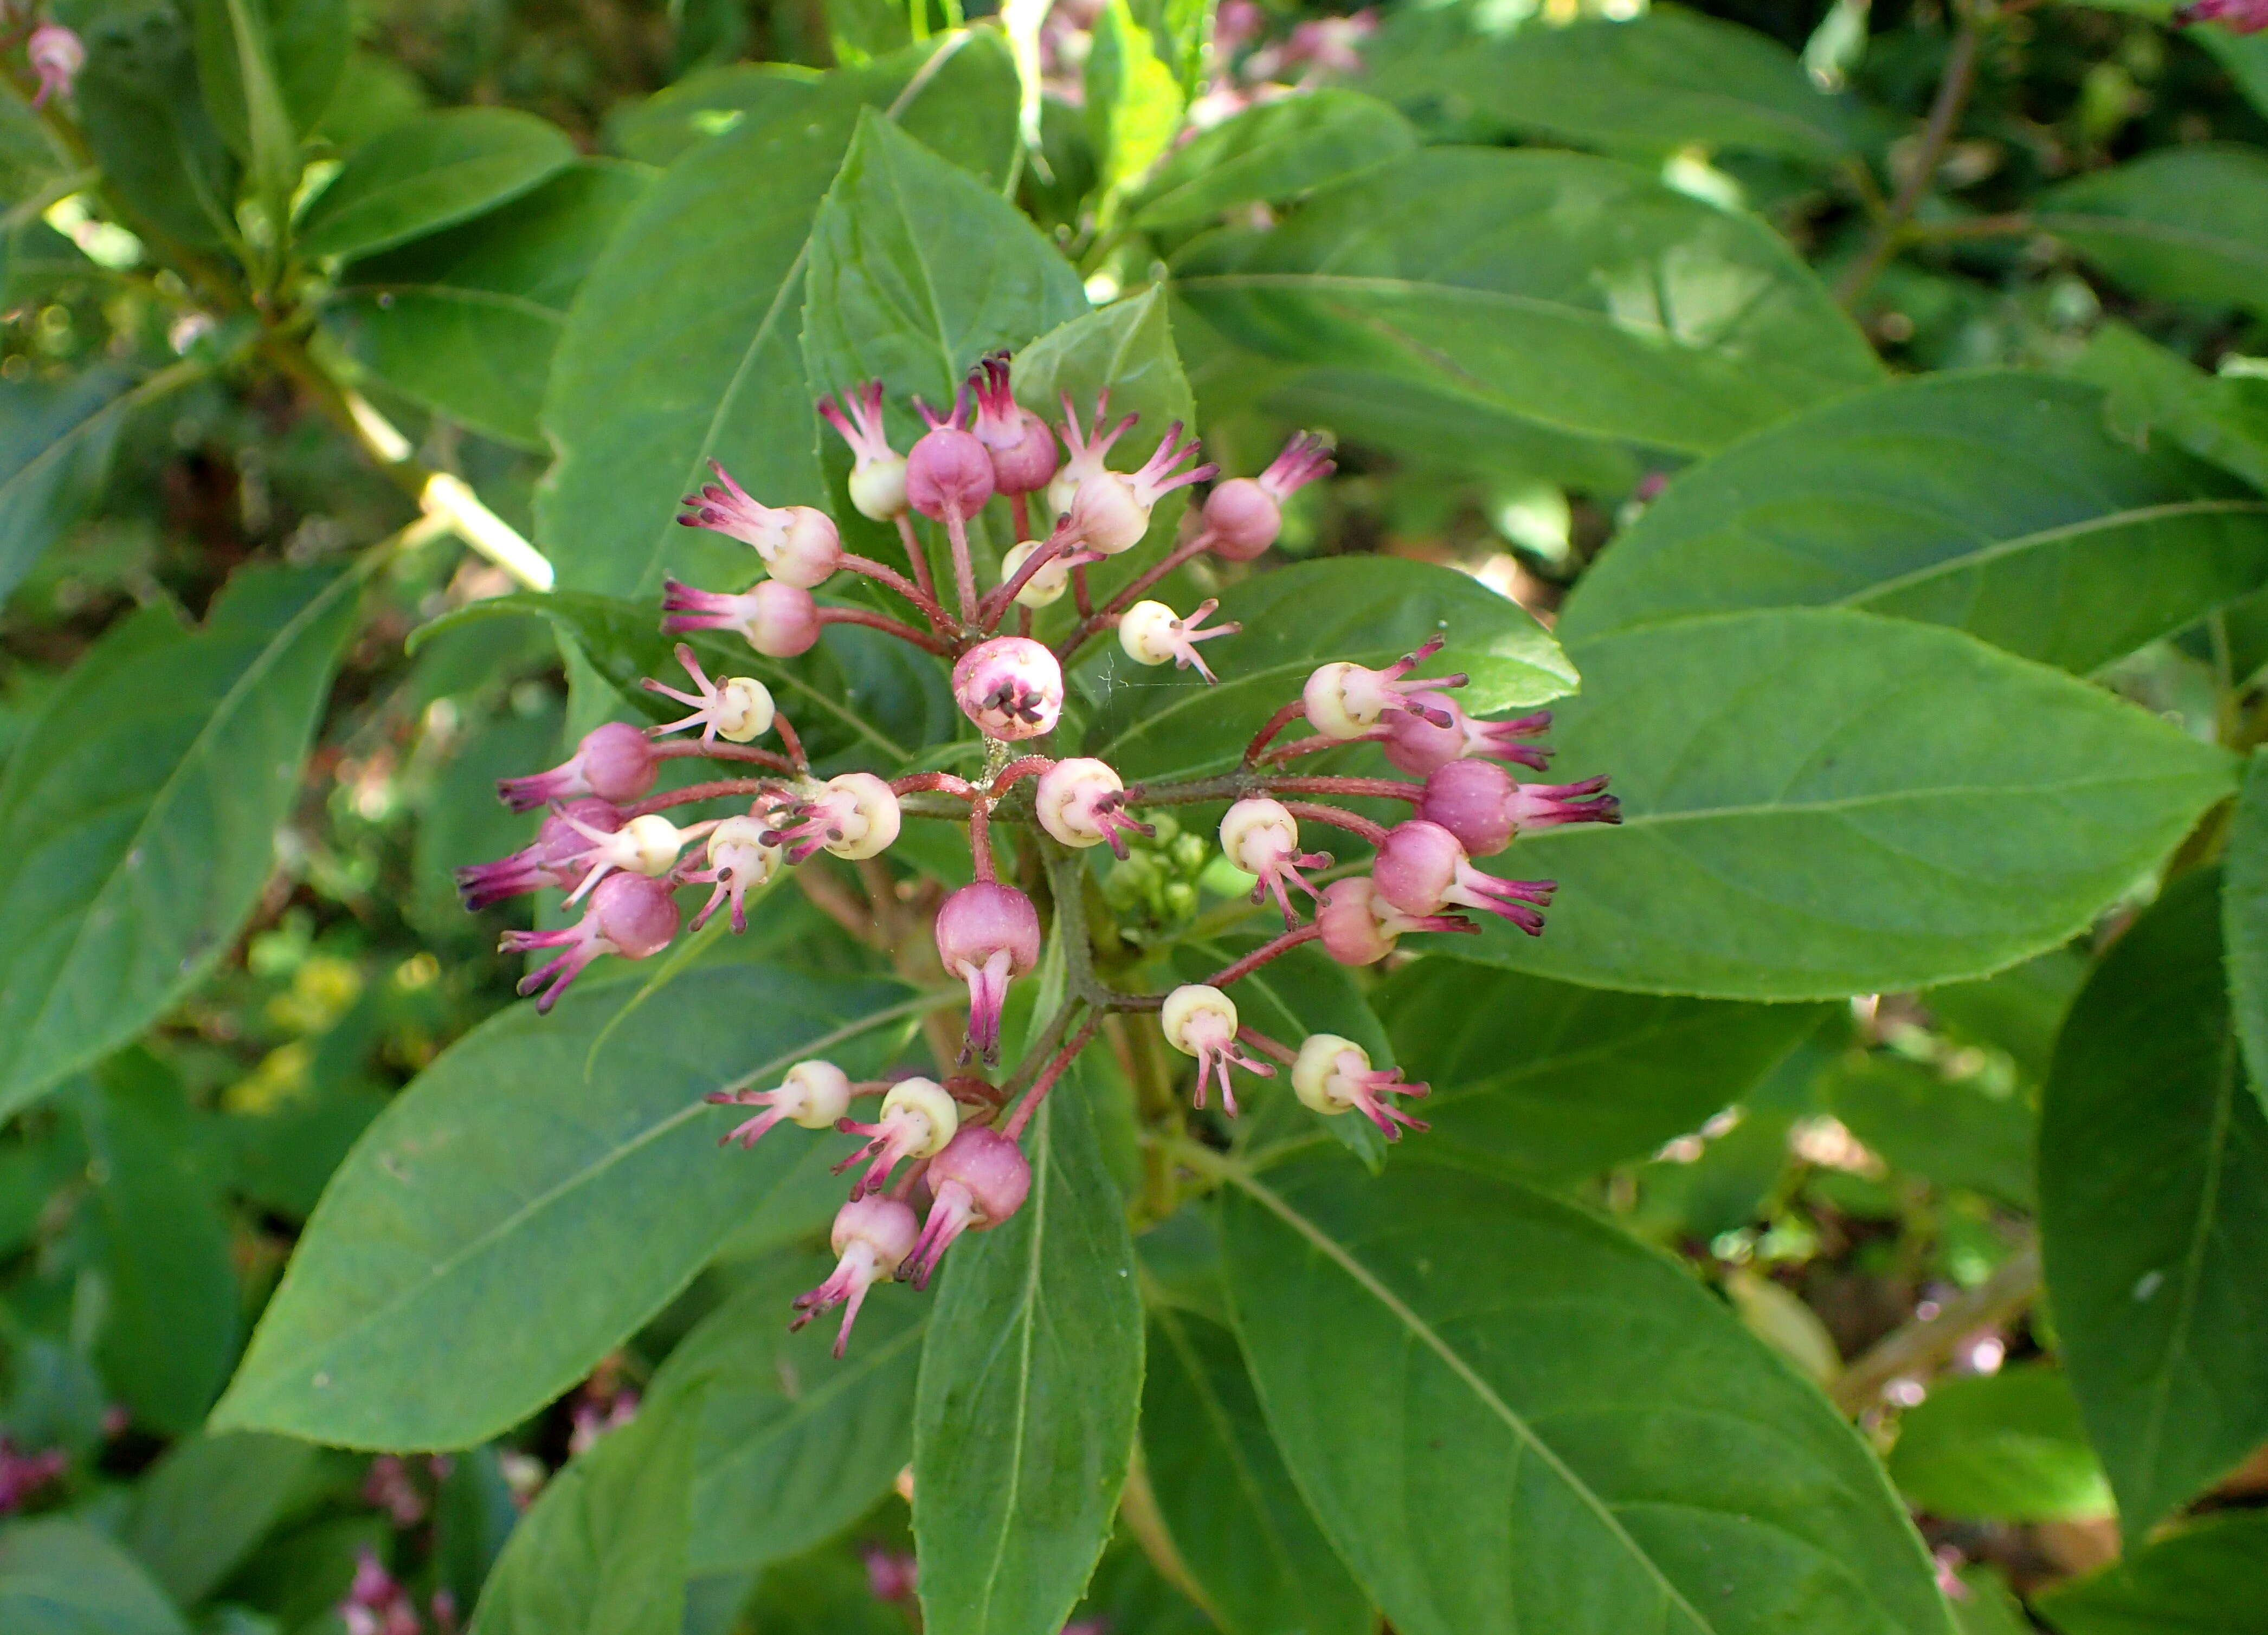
(1819, 803)
(2020, 1010)
(375, 93)
(285, 1156)
(2006, 1447)
(1134, 99)
(475, 1513)
(2155, 397)
(464, 823)
(2153, 1212)
(465, 321)
(1221, 1487)
(203, 1508)
(2243, 57)
(683, 346)
(428, 173)
(1990, 1607)
(1270, 153)
(147, 125)
(2205, 1579)
(524, 1205)
(1996, 503)
(1030, 1381)
(55, 438)
(1949, 1132)
(1509, 1416)
(1663, 79)
(2181, 224)
(825, 1593)
(602, 1550)
(1569, 291)
(138, 813)
(2244, 921)
(1551, 1082)
(706, 103)
(308, 42)
(61, 1577)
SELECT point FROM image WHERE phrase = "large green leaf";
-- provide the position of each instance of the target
(1997, 503)
(2244, 921)
(1030, 1379)
(1819, 803)
(1571, 291)
(431, 173)
(1270, 152)
(1156, 724)
(2153, 1213)
(683, 346)
(62, 1577)
(1552, 1083)
(2155, 396)
(1236, 1520)
(1662, 79)
(1508, 1416)
(1133, 99)
(794, 1446)
(2183, 223)
(55, 438)
(148, 129)
(200, 1511)
(304, 44)
(138, 813)
(529, 1201)
(707, 103)
(465, 321)
(2006, 1447)
(602, 1551)
(2205, 1579)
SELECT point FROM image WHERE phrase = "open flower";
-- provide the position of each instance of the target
(1480, 804)
(872, 1235)
(1022, 448)
(1081, 803)
(56, 55)
(776, 619)
(556, 858)
(798, 543)
(1360, 927)
(916, 1120)
(1262, 839)
(1011, 687)
(814, 1095)
(1244, 515)
(1334, 1075)
(1201, 1021)
(1434, 732)
(1151, 633)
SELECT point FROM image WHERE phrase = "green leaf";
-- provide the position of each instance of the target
(61, 1577)
(302, 44)
(465, 321)
(1819, 803)
(1508, 1416)
(1572, 291)
(524, 1205)
(1996, 503)
(2154, 397)
(602, 1550)
(706, 103)
(2244, 920)
(2019, 1011)
(1134, 100)
(55, 438)
(432, 173)
(1551, 1082)
(2153, 1212)
(1155, 723)
(2187, 223)
(1949, 1132)
(683, 346)
(2006, 1447)
(2205, 1579)
(1030, 1379)
(1662, 79)
(2243, 57)
(200, 1511)
(794, 1446)
(1270, 153)
(1236, 1520)
(148, 129)
(138, 813)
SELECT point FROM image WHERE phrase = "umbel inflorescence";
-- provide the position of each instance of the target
(942, 1156)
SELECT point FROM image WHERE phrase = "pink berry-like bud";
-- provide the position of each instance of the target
(853, 814)
(555, 858)
(1262, 837)
(814, 1095)
(1345, 700)
(738, 708)
(776, 619)
(1334, 1075)
(1421, 869)
(1022, 448)
(799, 545)
(949, 473)
(1360, 927)
(739, 861)
(872, 1235)
(878, 472)
(614, 762)
(1082, 803)
(978, 1181)
(1088, 450)
(1110, 512)
(1479, 802)
(1201, 1021)
(1432, 731)
(917, 1119)
(1011, 687)
(1151, 633)
(1245, 514)
(987, 935)
(56, 55)
(631, 914)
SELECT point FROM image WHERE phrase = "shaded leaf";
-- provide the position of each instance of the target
(61, 1577)
(203, 1508)
(2205, 1579)
(1270, 153)
(2244, 921)
(55, 438)
(148, 129)
(705, 104)
(2155, 397)
(2185, 224)
(306, 43)
(1949, 1132)
(2006, 1447)
(432, 173)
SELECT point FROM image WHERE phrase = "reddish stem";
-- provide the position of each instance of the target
(1267, 1047)
(916, 558)
(786, 730)
(964, 568)
(887, 626)
(921, 781)
(1114, 608)
(1020, 513)
(716, 789)
(1240, 968)
(723, 751)
(1046, 1080)
(1016, 770)
(1354, 822)
(994, 605)
(1080, 597)
(1382, 789)
(1318, 744)
(881, 573)
(1296, 710)
(980, 839)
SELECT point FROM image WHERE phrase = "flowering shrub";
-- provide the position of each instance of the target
(1133, 817)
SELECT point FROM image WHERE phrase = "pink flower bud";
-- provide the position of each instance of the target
(1201, 1021)
(872, 1235)
(977, 1182)
(2239, 17)
(631, 914)
(1151, 632)
(552, 861)
(1262, 837)
(949, 473)
(1011, 687)
(614, 762)
(917, 1119)
(1088, 450)
(1022, 448)
(1345, 700)
(987, 935)
(776, 619)
(740, 859)
(799, 545)
(1433, 731)
(1421, 869)
(1111, 513)
(878, 472)
(1082, 803)
(56, 55)
(1479, 802)
(1245, 514)
(853, 814)
(1334, 1075)
(738, 708)
(1360, 927)
(814, 1095)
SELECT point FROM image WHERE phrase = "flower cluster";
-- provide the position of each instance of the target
(940, 1157)
(54, 54)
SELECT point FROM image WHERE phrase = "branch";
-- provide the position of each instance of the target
(1921, 1346)
(1945, 113)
